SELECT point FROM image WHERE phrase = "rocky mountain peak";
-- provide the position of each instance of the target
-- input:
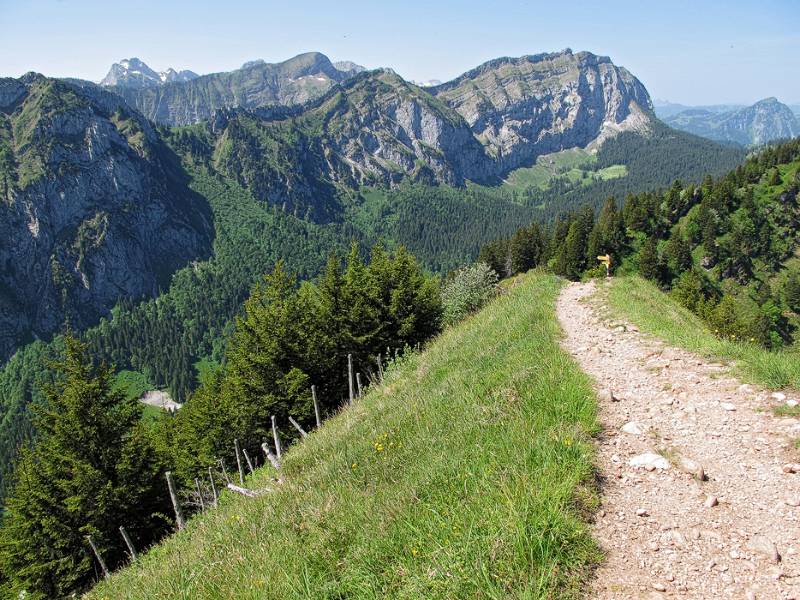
(765, 121)
(521, 107)
(135, 73)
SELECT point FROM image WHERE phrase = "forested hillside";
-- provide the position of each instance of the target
(726, 248)
(291, 184)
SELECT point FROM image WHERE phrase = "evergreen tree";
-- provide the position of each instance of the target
(608, 234)
(791, 291)
(93, 469)
(527, 248)
(678, 254)
(649, 263)
(573, 256)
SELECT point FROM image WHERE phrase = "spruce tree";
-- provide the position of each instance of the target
(92, 469)
(791, 291)
(649, 264)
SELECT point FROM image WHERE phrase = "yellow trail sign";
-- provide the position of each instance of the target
(606, 260)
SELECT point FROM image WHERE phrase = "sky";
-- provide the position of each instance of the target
(691, 52)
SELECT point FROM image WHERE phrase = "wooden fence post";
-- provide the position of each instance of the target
(249, 462)
(276, 438)
(173, 494)
(199, 494)
(99, 557)
(350, 376)
(358, 381)
(297, 426)
(316, 405)
(213, 487)
(380, 367)
(128, 543)
(239, 460)
(224, 472)
(270, 456)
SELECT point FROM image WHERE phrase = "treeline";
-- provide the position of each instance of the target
(97, 464)
(724, 248)
(653, 161)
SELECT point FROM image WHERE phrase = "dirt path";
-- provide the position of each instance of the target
(665, 533)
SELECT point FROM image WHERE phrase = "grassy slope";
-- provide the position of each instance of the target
(466, 474)
(642, 303)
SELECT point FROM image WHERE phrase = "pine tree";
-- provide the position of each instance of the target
(92, 469)
(649, 264)
(576, 244)
(678, 254)
(526, 248)
(791, 291)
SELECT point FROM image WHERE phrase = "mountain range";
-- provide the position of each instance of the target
(100, 205)
(764, 121)
(189, 100)
(133, 73)
(141, 216)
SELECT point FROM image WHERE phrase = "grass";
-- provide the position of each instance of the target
(576, 165)
(654, 312)
(466, 474)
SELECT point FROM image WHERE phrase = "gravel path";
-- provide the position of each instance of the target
(666, 532)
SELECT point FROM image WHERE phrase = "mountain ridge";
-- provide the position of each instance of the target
(765, 121)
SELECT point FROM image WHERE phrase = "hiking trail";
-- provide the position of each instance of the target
(666, 414)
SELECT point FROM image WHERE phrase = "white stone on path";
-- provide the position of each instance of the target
(650, 459)
(633, 428)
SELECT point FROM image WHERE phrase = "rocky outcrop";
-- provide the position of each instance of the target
(520, 108)
(764, 121)
(133, 73)
(376, 128)
(94, 208)
(295, 81)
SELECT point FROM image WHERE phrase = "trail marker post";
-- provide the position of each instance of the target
(606, 260)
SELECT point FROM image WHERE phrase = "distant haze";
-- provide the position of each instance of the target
(688, 52)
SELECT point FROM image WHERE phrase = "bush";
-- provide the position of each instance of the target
(468, 290)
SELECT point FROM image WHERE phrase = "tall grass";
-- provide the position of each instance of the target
(654, 312)
(466, 474)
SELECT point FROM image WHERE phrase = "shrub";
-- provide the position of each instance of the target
(468, 290)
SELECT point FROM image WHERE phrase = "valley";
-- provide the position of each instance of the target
(308, 329)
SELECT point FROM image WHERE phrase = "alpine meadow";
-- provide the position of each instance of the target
(307, 328)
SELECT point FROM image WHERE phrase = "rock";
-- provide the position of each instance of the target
(711, 502)
(791, 468)
(793, 501)
(764, 547)
(659, 587)
(649, 459)
(745, 389)
(692, 467)
(791, 403)
(779, 396)
(607, 395)
(641, 512)
(728, 406)
(633, 428)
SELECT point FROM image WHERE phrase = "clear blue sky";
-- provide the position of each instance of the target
(692, 52)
